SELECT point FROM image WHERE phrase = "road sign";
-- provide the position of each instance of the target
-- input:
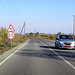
(10, 31)
(10, 35)
(10, 28)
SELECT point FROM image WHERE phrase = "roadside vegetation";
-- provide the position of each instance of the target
(5, 43)
(46, 36)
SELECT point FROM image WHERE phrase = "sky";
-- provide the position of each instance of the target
(44, 16)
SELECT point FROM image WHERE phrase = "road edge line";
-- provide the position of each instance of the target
(13, 53)
(59, 56)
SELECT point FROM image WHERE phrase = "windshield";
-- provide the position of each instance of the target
(65, 37)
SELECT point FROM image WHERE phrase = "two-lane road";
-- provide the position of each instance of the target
(39, 57)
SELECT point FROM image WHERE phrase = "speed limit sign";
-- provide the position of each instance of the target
(10, 35)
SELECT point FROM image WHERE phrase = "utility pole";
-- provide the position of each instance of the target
(35, 30)
(23, 28)
(35, 33)
(73, 24)
(19, 30)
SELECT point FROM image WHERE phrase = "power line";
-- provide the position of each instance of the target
(11, 7)
(6, 7)
(16, 8)
(49, 20)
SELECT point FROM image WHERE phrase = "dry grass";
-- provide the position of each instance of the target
(18, 39)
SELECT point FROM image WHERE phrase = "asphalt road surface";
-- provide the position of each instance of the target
(37, 57)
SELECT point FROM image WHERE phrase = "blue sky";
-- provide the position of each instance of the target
(46, 16)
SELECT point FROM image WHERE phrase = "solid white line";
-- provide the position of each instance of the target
(59, 56)
(13, 53)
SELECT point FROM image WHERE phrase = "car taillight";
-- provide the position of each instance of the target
(68, 45)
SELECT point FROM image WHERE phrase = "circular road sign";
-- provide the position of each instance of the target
(10, 35)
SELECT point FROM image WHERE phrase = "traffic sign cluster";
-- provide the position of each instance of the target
(10, 31)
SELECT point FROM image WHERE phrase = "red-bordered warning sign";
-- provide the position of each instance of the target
(10, 28)
(10, 31)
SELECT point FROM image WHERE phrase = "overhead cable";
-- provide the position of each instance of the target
(6, 7)
(11, 7)
(16, 8)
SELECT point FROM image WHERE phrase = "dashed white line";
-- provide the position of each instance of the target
(59, 56)
(13, 53)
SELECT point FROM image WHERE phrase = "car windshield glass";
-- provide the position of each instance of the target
(65, 37)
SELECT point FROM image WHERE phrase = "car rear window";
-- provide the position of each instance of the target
(65, 37)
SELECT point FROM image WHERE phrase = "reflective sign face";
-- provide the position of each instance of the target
(10, 35)
(10, 28)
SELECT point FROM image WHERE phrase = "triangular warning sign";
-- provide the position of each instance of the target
(11, 28)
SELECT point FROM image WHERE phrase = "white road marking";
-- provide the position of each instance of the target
(13, 53)
(59, 56)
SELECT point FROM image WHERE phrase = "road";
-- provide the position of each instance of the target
(38, 57)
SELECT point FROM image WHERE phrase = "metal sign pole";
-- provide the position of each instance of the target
(11, 42)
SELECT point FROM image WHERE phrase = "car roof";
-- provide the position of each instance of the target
(63, 34)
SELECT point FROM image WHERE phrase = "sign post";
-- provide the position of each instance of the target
(10, 34)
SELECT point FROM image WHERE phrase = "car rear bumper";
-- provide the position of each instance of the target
(67, 47)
